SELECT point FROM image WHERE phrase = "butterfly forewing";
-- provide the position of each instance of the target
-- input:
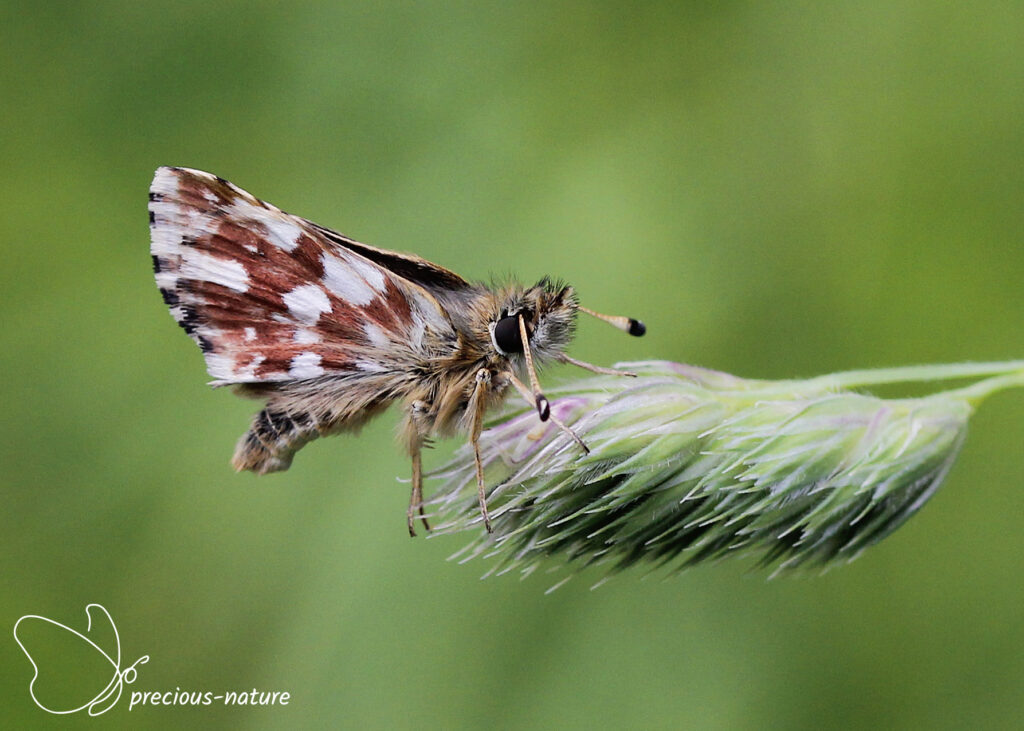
(272, 297)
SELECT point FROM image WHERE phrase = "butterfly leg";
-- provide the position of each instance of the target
(416, 499)
(477, 407)
(417, 428)
(593, 368)
(527, 396)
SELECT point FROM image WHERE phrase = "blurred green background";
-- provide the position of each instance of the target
(777, 189)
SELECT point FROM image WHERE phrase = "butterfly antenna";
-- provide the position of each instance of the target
(543, 407)
(525, 393)
(626, 324)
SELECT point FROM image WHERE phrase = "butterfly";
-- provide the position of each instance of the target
(329, 332)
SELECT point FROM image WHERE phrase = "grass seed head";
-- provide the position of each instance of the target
(689, 465)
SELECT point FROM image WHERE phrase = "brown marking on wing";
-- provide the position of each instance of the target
(228, 308)
(309, 254)
(343, 323)
(268, 265)
(192, 189)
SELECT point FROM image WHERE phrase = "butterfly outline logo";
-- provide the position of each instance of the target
(112, 691)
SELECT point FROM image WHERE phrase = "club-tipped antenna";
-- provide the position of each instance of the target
(528, 397)
(543, 407)
(626, 324)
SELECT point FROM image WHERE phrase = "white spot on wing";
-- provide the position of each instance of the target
(306, 303)
(370, 366)
(281, 230)
(221, 367)
(165, 181)
(375, 335)
(417, 330)
(250, 334)
(167, 280)
(368, 271)
(305, 336)
(172, 220)
(199, 265)
(345, 282)
(283, 233)
(166, 238)
(305, 365)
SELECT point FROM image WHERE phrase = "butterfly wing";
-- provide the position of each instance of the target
(328, 330)
(271, 297)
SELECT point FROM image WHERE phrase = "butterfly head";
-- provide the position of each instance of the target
(548, 310)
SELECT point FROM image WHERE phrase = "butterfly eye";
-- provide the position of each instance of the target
(506, 336)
